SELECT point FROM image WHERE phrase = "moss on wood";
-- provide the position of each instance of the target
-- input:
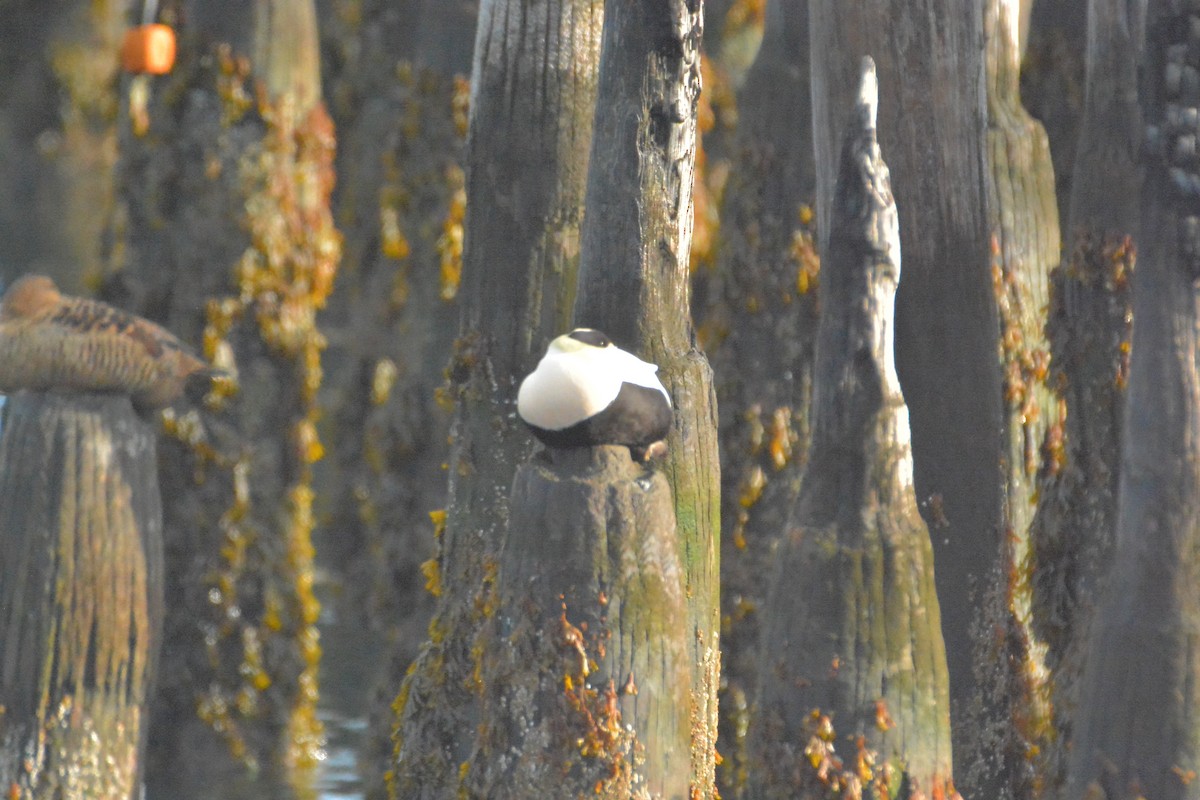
(634, 285)
(584, 664)
(1011, 715)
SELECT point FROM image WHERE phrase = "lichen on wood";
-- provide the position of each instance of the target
(634, 285)
(1011, 713)
(852, 628)
(584, 660)
(527, 151)
(81, 583)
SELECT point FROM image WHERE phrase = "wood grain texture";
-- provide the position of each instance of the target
(634, 285)
(81, 595)
(584, 661)
(1011, 714)
(1090, 322)
(852, 646)
(532, 99)
(1143, 646)
(932, 118)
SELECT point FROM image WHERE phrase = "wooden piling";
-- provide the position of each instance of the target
(584, 662)
(80, 595)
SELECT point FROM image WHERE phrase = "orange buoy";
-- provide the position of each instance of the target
(149, 49)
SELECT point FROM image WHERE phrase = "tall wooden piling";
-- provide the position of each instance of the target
(853, 684)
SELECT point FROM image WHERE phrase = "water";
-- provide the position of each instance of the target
(353, 656)
(338, 778)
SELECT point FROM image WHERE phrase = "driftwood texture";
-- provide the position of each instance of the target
(80, 595)
(585, 660)
(634, 285)
(1009, 725)
(852, 630)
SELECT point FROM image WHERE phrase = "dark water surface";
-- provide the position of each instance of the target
(352, 657)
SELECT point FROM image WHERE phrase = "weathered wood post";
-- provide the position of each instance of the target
(947, 333)
(1143, 648)
(852, 630)
(1089, 324)
(1011, 716)
(533, 92)
(585, 667)
(634, 285)
(81, 584)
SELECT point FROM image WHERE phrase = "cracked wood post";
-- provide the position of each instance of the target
(852, 631)
(1136, 732)
(585, 664)
(533, 95)
(1011, 720)
(634, 285)
(81, 595)
(759, 328)
(931, 126)
(1089, 325)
